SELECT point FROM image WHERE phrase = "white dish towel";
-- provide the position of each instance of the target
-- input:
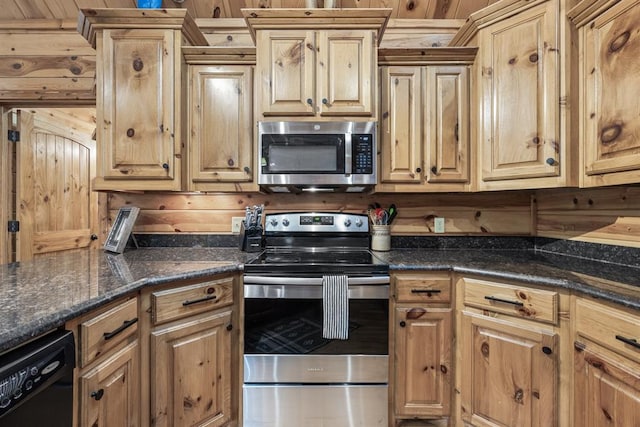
(335, 307)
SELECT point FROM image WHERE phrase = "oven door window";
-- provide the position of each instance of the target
(294, 326)
(303, 154)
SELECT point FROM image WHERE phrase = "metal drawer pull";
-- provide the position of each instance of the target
(506, 301)
(125, 325)
(196, 301)
(631, 341)
(425, 291)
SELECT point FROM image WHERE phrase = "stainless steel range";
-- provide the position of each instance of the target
(296, 371)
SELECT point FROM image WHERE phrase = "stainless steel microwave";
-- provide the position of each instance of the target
(317, 156)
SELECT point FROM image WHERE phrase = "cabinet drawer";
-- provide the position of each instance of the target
(104, 331)
(185, 301)
(611, 328)
(423, 288)
(520, 301)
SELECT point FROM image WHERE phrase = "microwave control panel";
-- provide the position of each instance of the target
(362, 153)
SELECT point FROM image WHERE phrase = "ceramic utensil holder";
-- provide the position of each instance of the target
(380, 238)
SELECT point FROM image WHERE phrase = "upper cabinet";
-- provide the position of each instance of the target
(609, 43)
(424, 121)
(220, 119)
(138, 95)
(316, 63)
(519, 101)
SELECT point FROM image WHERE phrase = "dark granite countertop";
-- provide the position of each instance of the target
(41, 295)
(608, 281)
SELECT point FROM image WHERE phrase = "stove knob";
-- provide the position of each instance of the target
(347, 222)
(285, 222)
(358, 222)
(274, 222)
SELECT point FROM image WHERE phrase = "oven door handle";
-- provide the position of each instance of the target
(312, 281)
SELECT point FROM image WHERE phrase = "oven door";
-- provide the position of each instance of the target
(293, 376)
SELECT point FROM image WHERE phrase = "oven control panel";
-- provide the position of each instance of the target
(316, 222)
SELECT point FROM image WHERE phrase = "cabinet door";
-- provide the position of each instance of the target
(422, 361)
(446, 94)
(285, 61)
(520, 107)
(346, 72)
(509, 373)
(109, 393)
(401, 125)
(607, 389)
(611, 113)
(136, 92)
(221, 127)
(190, 372)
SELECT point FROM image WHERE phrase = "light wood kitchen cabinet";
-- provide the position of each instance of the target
(424, 129)
(139, 95)
(609, 114)
(316, 64)
(189, 338)
(110, 392)
(519, 95)
(107, 373)
(421, 374)
(221, 127)
(508, 367)
(312, 73)
(191, 363)
(607, 366)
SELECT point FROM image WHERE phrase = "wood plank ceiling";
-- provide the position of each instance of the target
(404, 9)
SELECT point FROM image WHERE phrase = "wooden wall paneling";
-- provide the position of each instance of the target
(46, 65)
(605, 215)
(5, 187)
(468, 214)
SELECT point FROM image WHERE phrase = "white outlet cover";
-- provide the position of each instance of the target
(236, 223)
(439, 225)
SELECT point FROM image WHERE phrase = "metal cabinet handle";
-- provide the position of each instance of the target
(325, 101)
(631, 341)
(425, 291)
(125, 325)
(309, 101)
(456, 132)
(165, 166)
(94, 237)
(505, 301)
(403, 324)
(551, 161)
(196, 301)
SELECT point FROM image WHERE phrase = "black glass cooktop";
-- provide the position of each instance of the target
(325, 261)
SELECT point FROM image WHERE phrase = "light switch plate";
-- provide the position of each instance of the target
(236, 222)
(439, 225)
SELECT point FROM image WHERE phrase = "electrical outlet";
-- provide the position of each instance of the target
(439, 225)
(236, 223)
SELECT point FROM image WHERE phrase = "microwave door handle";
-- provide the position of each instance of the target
(312, 281)
(348, 154)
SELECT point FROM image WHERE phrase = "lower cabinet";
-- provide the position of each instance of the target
(607, 366)
(508, 355)
(421, 377)
(110, 391)
(188, 354)
(107, 374)
(190, 366)
(509, 373)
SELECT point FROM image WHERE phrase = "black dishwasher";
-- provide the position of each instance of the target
(36, 382)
